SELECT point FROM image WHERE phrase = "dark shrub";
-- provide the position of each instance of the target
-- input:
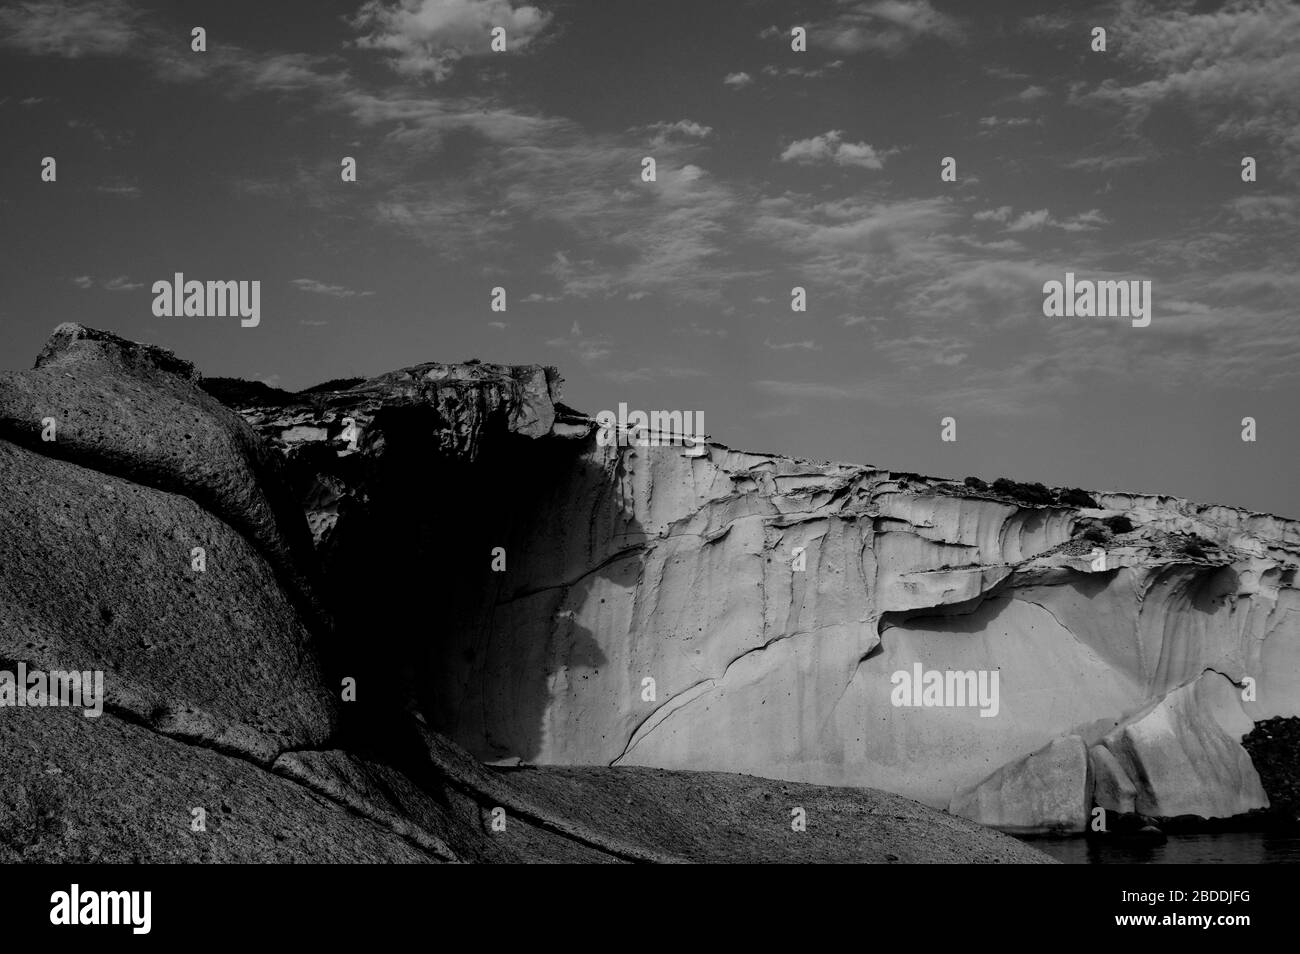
(975, 483)
(1076, 498)
(237, 393)
(1034, 493)
(337, 384)
(1119, 524)
(1095, 534)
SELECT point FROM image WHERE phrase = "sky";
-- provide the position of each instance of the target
(775, 168)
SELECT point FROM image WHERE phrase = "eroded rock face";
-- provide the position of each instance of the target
(223, 734)
(1184, 757)
(772, 600)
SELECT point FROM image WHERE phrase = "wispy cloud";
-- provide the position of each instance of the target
(428, 37)
(119, 283)
(68, 28)
(1105, 163)
(1234, 69)
(662, 133)
(883, 26)
(1040, 219)
(807, 345)
(320, 288)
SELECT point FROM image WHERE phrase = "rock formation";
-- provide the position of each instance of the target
(151, 534)
(771, 600)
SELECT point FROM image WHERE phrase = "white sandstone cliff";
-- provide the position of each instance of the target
(1121, 687)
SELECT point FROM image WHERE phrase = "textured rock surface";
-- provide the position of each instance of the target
(1112, 790)
(218, 683)
(97, 574)
(1184, 757)
(1049, 791)
(135, 411)
(711, 817)
(103, 790)
(635, 563)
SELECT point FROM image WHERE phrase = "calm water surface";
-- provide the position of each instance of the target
(1238, 848)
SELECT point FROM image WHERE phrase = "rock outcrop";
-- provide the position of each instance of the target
(267, 700)
(746, 612)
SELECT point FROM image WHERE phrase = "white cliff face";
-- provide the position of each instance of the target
(647, 563)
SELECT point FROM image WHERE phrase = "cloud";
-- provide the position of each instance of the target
(851, 320)
(792, 346)
(684, 129)
(737, 80)
(632, 375)
(1048, 23)
(120, 283)
(587, 350)
(320, 288)
(1085, 221)
(802, 72)
(993, 122)
(883, 26)
(877, 390)
(699, 331)
(1284, 209)
(1031, 93)
(1041, 219)
(122, 190)
(68, 29)
(923, 352)
(428, 37)
(1003, 73)
(72, 29)
(1028, 221)
(830, 147)
(1105, 163)
(1233, 70)
(1000, 214)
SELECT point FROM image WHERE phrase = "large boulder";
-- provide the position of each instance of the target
(105, 790)
(99, 573)
(1185, 756)
(1046, 792)
(136, 411)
